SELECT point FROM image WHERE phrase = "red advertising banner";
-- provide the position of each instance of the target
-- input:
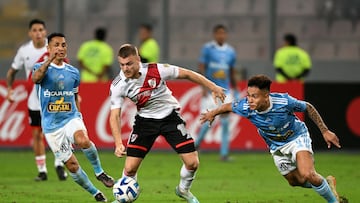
(95, 107)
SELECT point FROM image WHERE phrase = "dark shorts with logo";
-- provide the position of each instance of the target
(34, 118)
(146, 130)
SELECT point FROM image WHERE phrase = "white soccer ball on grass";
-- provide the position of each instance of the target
(126, 190)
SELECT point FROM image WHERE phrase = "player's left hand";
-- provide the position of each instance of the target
(331, 138)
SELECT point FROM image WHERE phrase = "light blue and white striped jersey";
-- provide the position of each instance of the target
(218, 62)
(56, 93)
(277, 125)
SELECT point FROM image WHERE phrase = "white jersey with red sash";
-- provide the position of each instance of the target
(26, 56)
(149, 92)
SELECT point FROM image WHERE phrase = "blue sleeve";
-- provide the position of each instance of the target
(36, 66)
(233, 61)
(77, 79)
(296, 105)
(240, 107)
(203, 55)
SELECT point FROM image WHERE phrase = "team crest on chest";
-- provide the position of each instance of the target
(152, 82)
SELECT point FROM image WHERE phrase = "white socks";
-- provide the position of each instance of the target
(41, 163)
(186, 178)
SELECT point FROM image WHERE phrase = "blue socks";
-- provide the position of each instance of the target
(203, 130)
(325, 191)
(91, 154)
(224, 148)
(82, 179)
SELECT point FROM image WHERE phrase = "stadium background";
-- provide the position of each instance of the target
(328, 29)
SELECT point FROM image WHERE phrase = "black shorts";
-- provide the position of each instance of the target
(146, 130)
(34, 118)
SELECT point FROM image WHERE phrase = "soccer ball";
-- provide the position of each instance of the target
(126, 190)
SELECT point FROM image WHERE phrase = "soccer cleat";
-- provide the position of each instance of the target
(100, 197)
(190, 198)
(332, 183)
(226, 159)
(343, 199)
(61, 173)
(107, 180)
(41, 177)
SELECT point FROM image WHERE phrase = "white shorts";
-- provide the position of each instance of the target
(285, 157)
(60, 141)
(207, 102)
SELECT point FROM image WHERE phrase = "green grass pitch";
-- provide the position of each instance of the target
(251, 177)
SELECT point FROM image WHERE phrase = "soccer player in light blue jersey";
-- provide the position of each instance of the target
(217, 62)
(287, 137)
(57, 87)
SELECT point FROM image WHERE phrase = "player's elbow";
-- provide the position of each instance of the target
(184, 73)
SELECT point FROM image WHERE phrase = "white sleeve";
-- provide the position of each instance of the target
(18, 61)
(168, 71)
(116, 98)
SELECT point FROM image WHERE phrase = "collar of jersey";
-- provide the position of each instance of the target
(268, 109)
(57, 66)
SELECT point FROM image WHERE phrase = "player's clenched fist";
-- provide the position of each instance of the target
(120, 151)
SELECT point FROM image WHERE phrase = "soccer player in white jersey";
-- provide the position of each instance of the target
(287, 137)
(26, 56)
(158, 114)
(57, 89)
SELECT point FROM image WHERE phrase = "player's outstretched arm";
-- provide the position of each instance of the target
(329, 137)
(217, 92)
(210, 115)
(115, 127)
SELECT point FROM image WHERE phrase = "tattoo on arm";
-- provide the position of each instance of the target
(315, 116)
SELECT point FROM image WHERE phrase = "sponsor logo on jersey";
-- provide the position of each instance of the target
(48, 93)
(59, 106)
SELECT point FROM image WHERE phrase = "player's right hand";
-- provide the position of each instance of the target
(9, 96)
(206, 116)
(120, 151)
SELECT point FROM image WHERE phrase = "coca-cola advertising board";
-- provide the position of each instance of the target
(95, 107)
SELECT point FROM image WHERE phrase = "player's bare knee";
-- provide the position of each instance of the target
(294, 179)
(84, 143)
(192, 165)
(295, 183)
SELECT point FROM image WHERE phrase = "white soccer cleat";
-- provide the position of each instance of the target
(190, 198)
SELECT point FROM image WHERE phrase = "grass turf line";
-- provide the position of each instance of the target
(251, 177)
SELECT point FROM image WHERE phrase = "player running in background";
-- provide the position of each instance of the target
(217, 63)
(287, 137)
(158, 114)
(26, 56)
(57, 88)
